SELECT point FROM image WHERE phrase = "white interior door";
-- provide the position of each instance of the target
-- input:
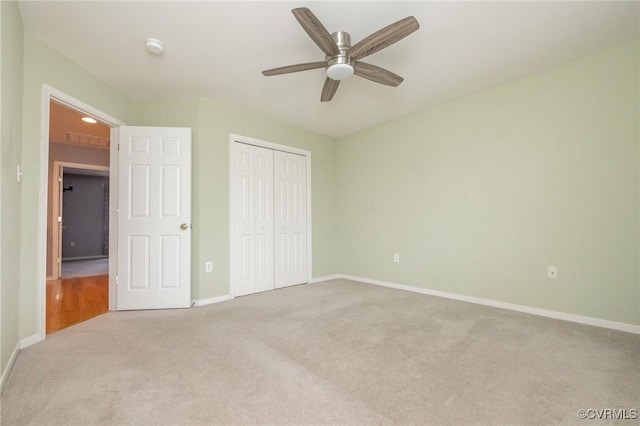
(290, 215)
(154, 218)
(253, 177)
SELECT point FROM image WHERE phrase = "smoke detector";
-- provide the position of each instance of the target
(154, 46)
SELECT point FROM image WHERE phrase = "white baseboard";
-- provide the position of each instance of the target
(203, 302)
(21, 344)
(597, 322)
(31, 340)
(9, 367)
(325, 278)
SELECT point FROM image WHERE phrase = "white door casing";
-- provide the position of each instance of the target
(154, 218)
(57, 228)
(51, 94)
(254, 206)
(290, 214)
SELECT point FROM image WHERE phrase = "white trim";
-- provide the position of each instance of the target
(210, 300)
(7, 370)
(114, 166)
(51, 94)
(3, 379)
(20, 344)
(233, 138)
(31, 340)
(596, 322)
(266, 144)
(325, 278)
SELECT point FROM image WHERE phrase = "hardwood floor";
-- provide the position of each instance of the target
(73, 300)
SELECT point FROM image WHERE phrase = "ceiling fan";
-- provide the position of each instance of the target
(343, 60)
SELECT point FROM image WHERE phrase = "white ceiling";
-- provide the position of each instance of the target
(218, 50)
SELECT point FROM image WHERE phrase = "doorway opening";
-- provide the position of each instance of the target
(84, 248)
(73, 148)
(77, 287)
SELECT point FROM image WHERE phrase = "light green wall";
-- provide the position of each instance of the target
(212, 125)
(43, 65)
(479, 195)
(11, 131)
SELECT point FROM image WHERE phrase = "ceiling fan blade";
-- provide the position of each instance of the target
(377, 74)
(294, 68)
(318, 33)
(329, 89)
(384, 37)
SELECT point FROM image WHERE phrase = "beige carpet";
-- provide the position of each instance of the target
(332, 353)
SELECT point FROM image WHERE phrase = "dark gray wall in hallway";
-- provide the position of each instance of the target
(71, 154)
(85, 216)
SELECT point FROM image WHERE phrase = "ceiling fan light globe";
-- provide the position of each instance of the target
(339, 71)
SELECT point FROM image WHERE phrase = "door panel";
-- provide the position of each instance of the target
(170, 191)
(290, 213)
(170, 258)
(263, 230)
(138, 267)
(244, 247)
(138, 193)
(154, 256)
(254, 225)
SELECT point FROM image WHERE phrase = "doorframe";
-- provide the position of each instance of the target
(51, 94)
(56, 237)
(233, 138)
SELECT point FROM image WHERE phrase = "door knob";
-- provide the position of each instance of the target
(184, 226)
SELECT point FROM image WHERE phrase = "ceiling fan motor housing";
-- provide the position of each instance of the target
(340, 67)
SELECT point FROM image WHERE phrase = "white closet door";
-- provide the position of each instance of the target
(253, 248)
(290, 214)
(263, 181)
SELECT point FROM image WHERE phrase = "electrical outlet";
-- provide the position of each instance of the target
(396, 257)
(72, 243)
(208, 266)
(552, 272)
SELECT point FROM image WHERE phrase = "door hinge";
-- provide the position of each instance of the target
(59, 260)
(59, 179)
(116, 280)
(59, 219)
